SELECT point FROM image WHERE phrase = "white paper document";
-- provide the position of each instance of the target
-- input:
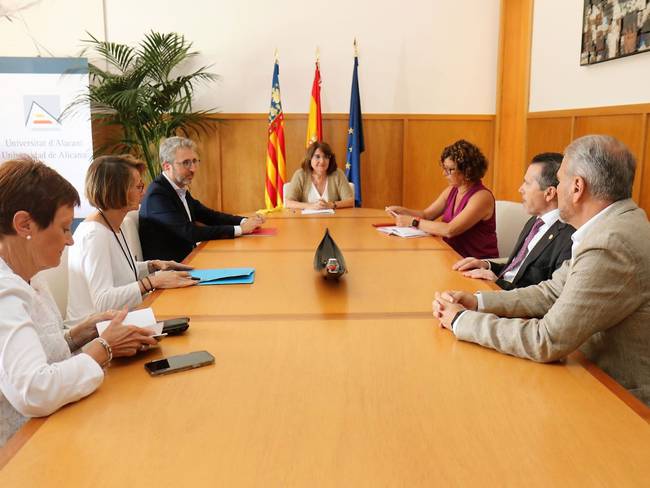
(139, 318)
(402, 231)
(312, 211)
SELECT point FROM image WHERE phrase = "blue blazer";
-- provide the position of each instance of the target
(165, 230)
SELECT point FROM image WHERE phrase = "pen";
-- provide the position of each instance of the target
(195, 278)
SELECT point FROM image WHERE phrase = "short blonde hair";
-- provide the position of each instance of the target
(108, 180)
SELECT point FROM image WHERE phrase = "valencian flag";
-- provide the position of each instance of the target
(355, 137)
(275, 153)
(315, 120)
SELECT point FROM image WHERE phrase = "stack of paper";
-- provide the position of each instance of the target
(402, 231)
(312, 211)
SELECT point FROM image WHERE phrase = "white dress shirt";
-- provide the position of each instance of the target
(100, 277)
(549, 218)
(38, 374)
(579, 235)
(182, 194)
(314, 196)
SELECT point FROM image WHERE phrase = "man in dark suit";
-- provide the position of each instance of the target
(544, 243)
(171, 220)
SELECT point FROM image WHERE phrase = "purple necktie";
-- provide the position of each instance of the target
(523, 250)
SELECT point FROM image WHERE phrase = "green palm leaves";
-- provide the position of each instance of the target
(144, 92)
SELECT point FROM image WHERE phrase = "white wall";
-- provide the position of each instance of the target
(49, 28)
(419, 56)
(557, 79)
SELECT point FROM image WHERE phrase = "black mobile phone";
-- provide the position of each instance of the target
(181, 362)
(176, 326)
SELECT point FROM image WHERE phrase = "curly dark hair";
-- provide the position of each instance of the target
(468, 158)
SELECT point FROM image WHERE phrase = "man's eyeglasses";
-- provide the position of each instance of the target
(187, 163)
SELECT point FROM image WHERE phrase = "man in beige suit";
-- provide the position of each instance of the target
(599, 300)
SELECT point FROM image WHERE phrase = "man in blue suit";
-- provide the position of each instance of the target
(172, 222)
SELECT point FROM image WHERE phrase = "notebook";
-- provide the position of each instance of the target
(402, 231)
(140, 318)
(313, 211)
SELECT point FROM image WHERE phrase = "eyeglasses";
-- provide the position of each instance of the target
(140, 187)
(187, 163)
(449, 171)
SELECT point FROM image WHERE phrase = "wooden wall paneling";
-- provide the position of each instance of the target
(626, 127)
(295, 130)
(381, 163)
(335, 132)
(547, 135)
(231, 177)
(512, 96)
(573, 127)
(423, 178)
(104, 134)
(243, 164)
(207, 184)
(405, 138)
(643, 170)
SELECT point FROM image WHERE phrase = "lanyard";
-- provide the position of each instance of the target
(127, 255)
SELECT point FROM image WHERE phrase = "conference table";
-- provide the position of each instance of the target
(335, 383)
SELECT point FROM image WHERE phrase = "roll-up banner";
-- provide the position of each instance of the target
(34, 92)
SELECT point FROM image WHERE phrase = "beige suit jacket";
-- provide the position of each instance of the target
(338, 187)
(599, 301)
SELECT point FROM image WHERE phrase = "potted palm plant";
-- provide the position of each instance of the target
(143, 92)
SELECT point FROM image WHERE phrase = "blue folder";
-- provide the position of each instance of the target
(224, 276)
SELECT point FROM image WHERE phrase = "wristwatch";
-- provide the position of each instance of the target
(415, 223)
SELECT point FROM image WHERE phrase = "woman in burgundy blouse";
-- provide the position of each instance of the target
(468, 222)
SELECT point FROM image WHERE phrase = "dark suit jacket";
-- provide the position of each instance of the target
(548, 255)
(166, 232)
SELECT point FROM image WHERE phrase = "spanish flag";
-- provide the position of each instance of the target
(315, 120)
(275, 153)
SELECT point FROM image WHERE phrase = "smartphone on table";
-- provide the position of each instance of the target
(176, 326)
(182, 362)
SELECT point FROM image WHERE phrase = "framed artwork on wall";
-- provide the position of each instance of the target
(614, 28)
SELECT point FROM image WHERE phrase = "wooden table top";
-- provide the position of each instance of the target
(319, 384)
(348, 232)
(379, 282)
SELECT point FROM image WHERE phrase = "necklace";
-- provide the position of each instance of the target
(127, 252)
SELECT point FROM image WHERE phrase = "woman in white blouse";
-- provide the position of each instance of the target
(38, 372)
(103, 274)
(319, 184)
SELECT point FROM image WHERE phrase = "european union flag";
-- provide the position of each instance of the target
(355, 138)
